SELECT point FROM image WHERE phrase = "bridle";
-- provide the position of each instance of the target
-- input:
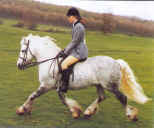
(24, 58)
(25, 52)
(25, 65)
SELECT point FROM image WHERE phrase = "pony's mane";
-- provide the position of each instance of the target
(47, 40)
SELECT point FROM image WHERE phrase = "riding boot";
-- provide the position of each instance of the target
(65, 80)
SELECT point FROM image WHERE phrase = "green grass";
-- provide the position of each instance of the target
(48, 111)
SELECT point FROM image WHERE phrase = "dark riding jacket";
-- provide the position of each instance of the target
(77, 47)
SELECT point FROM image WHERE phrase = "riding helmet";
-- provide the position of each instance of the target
(73, 12)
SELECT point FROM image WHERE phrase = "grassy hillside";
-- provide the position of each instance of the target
(48, 111)
(29, 12)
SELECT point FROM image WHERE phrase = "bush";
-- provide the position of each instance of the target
(56, 30)
(49, 30)
(1, 22)
(29, 25)
(19, 24)
(32, 26)
(109, 23)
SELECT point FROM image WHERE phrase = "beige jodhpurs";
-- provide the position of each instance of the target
(68, 62)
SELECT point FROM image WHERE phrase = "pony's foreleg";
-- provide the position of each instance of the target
(73, 106)
(27, 106)
(92, 109)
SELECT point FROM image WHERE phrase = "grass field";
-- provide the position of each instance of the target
(48, 111)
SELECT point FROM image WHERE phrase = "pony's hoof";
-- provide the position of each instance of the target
(132, 113)
(76, 113)
(135, 119)
(87, 114)
(20, 111)
(91, 110)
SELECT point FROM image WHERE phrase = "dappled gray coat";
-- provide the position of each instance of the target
(77, 47)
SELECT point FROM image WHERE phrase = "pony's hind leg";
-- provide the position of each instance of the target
(120, 96)
(92, 109)
(27, 106)
(131, 112)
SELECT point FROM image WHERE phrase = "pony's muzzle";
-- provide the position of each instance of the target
(21, 66)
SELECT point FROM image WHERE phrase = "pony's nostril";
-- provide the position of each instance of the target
(135, 119)
(19, 66)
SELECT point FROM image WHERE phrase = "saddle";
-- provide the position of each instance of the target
(66, 76)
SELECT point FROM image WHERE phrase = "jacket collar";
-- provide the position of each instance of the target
(76, 23)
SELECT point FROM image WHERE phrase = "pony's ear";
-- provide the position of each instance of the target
(22, 40)
(25, 41)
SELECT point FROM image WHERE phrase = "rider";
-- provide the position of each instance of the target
(77, 49)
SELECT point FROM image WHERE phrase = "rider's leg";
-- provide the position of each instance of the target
(65, 73)
(74, 107)
(68, 62)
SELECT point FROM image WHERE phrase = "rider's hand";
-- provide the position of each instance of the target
(62, 54)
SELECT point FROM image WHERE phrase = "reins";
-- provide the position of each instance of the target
(32, 64)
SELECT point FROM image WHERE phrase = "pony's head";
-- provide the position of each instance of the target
(25, 55)
(34, 47)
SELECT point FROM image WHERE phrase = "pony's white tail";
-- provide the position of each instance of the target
(129, 86)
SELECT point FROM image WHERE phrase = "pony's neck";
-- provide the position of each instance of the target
(45, 50)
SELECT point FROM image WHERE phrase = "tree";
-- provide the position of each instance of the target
(109, 23)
